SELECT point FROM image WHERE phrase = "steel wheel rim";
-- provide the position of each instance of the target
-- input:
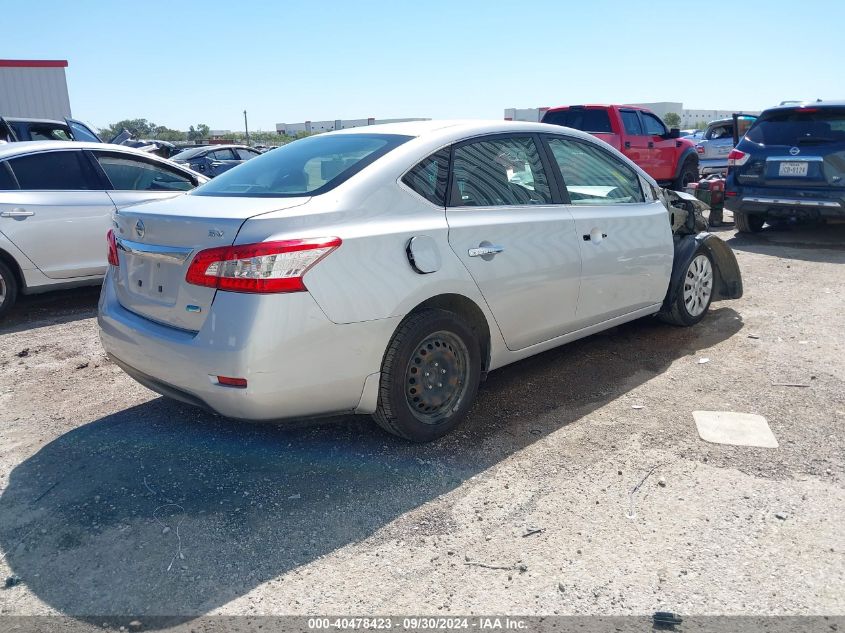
(698, 285)
(436, 377)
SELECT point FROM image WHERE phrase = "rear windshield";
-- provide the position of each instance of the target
(580, 119)
(309, 166)
(801, 126)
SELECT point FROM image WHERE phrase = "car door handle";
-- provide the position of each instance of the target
(485, 251)
(16, 213)
(216, 163)
(627, 144)
(651, 144)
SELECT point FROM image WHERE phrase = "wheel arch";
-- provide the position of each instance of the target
(727, 283)
(469, 311)
(688, 154)
(13, 265)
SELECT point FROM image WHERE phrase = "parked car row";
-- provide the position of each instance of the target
(56, 203)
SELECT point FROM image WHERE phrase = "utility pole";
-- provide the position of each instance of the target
(246, 128)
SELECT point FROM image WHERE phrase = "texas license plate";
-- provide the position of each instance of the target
(792, 169)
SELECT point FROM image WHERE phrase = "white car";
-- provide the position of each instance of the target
(56, 203)
(387, 270)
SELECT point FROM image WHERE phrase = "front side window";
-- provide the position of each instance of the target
(53, 171)
(499, 172)
(592, 176)
(653, 125)
(82, 133)
(631, 121)
(245, 154)
(131, 174)
(310, 166)
(428, 178)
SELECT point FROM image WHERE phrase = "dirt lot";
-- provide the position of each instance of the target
(117, 501)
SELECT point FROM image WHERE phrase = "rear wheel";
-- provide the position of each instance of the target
(749, 223)
(429, 376)
(693, 297)
(8, 289)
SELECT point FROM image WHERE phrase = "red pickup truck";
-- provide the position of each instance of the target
(639, 134)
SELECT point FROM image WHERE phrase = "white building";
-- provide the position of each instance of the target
(314, 127)
(689, 118)
(35, 88)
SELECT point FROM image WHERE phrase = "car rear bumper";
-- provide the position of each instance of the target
(297, 364)
(707, 167)
(786, 203)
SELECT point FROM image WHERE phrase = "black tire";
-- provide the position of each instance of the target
(749, 223)
(8, 289)
(683, 312)
(688, 174)
(412, 403)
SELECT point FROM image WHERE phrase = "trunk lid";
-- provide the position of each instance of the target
(157, 242)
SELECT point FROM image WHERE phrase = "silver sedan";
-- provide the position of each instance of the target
(387, 270)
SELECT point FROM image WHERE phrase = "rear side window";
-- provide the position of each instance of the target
(588, 120)
(592, 176)
(56, 171)
(41, 132)
(6, 180)
(499, 172)
(129, 174)
(428, 179)
(309, 166)
(802, 126)
(631, 121)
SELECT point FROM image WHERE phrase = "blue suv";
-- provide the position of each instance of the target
(789, 166)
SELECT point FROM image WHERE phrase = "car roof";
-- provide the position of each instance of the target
(19, 119)
(458, 127)
(834, 103)
(9, 150)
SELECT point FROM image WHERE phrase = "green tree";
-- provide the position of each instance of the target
(139, 128)
(671, 119)
(199, 132)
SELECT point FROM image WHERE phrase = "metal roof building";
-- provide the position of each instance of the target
(34, 88)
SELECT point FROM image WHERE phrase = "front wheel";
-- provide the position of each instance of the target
(693, 296)
(429, 376)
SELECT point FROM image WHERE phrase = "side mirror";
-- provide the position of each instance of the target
(675, 133)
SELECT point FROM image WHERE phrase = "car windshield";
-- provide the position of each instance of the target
(309, 166)
(799, 126)
(587, 120)
(188, 153)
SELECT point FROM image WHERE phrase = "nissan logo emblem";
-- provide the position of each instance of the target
(794, 151)
(140, 229)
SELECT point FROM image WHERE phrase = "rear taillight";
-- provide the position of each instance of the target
(699, 149)
(263, 267)
(113, 260)
(737, 158)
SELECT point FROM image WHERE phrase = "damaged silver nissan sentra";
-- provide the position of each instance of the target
(387, 270)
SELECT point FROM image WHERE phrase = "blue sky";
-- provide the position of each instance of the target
(184, 62)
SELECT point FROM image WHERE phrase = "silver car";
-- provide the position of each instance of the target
(387, 270)
(56, 203)
(717, 143)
